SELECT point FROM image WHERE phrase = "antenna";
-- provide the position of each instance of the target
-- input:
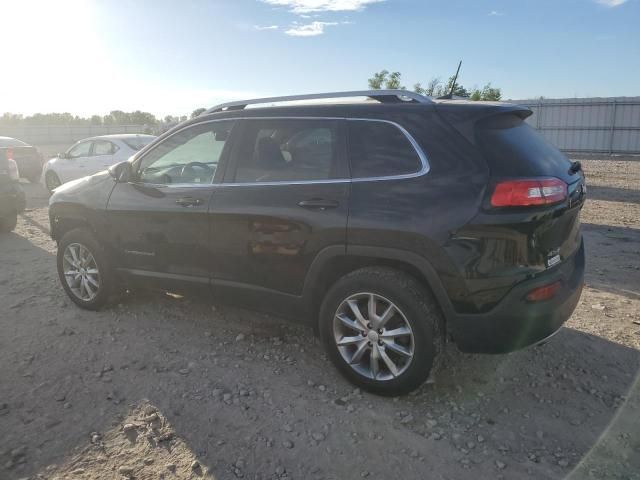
(453, 86)
(449, 95)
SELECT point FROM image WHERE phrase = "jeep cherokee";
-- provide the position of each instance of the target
(392, 224)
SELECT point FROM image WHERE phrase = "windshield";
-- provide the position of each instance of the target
(136, 143)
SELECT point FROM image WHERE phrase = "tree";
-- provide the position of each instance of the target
(96, 120)
(434, 88)
(390, 81)
(197, 112)
(488, 93)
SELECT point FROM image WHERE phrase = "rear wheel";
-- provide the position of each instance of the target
(52, 181)
(7, 224)
(382, 329)
(84, 269)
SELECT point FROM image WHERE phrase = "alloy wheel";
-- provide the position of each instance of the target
(373, 336)
(81, 272)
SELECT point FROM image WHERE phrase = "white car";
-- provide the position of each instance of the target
(92, 155)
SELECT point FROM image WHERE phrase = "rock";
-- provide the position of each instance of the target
(184, 371)
(480, 439)
(128, 427)
(500, 465)
(287, 428)
(406, 419)
(563, 462)
(318, 436)
(240, 337)
(78, 471)
(322, 388)
(125, 471)
(151, 418)
(195, 465)
(171, 467)
(148, 461)
(287, 444)
(598, 306)
(540, 434)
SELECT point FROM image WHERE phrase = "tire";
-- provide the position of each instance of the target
(8, 224)
(414, 310)
(52, 181)
(95, 271)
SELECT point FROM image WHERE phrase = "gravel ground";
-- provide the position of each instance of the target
(163, 387)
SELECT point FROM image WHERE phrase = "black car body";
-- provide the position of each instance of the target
(28, 158)
(426, 189)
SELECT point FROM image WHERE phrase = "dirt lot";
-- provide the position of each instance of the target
(160, 387)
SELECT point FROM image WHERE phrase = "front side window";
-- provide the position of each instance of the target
(102, 147)
(190, 156)
(380, 149)
(274, 150)
(79, 150)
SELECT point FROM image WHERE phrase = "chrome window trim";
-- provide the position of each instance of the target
(425, 168)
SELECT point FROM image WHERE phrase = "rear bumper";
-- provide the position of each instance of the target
(515, 323)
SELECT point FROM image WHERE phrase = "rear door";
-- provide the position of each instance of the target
(283, 200)
(159, 220)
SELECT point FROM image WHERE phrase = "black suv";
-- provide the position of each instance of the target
(391, 224)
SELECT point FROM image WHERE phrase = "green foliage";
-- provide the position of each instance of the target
(115, 117)
(434, 88)
(197, 112)
(384, 79)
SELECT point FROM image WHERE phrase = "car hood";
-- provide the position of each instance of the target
(80, 186)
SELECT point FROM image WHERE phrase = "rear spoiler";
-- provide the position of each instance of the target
(465, 119)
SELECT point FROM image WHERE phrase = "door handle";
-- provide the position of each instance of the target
(189, 201)
(318, 204)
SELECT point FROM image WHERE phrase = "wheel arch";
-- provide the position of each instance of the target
(65, 217)
(333, 263)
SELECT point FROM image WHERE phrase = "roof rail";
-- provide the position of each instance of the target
(380, 95)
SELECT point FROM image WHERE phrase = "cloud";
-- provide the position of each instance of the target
(611, 3)
(310, 6)
(266, 27)
(312, 29)
(495, 13)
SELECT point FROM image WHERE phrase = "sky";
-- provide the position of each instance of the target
(170, 57)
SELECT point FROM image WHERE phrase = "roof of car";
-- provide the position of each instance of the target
(118, 136)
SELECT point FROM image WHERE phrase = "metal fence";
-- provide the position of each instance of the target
(588, 125)
(65, 134)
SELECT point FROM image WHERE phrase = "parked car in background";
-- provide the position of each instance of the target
(12, 198)
(90, 156)
(391, 226)
(28, 159)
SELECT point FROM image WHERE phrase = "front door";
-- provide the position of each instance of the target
(74, 164)
(283, 200)
(159, 219)
(101, 156)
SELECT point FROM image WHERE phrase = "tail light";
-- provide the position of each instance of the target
(529, 192)
(13, 169)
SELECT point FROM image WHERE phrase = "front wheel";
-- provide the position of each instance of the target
(84, 269)
(382, 329)
(52, 181)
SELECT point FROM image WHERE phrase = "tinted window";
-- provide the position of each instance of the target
(102, 147)
(287, 150)
(380, 149)
(514, 149)
(79, 150)
(189, 156)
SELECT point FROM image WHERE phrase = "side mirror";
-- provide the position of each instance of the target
(62, 155)
(122, 172)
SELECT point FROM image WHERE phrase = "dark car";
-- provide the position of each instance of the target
(12, 198)
(28, 158)
(391, 226)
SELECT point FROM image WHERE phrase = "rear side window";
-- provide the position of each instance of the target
(103, 147)
(287, 150)
(380, 149)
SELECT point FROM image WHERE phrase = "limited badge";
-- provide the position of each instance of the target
(553, 259)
